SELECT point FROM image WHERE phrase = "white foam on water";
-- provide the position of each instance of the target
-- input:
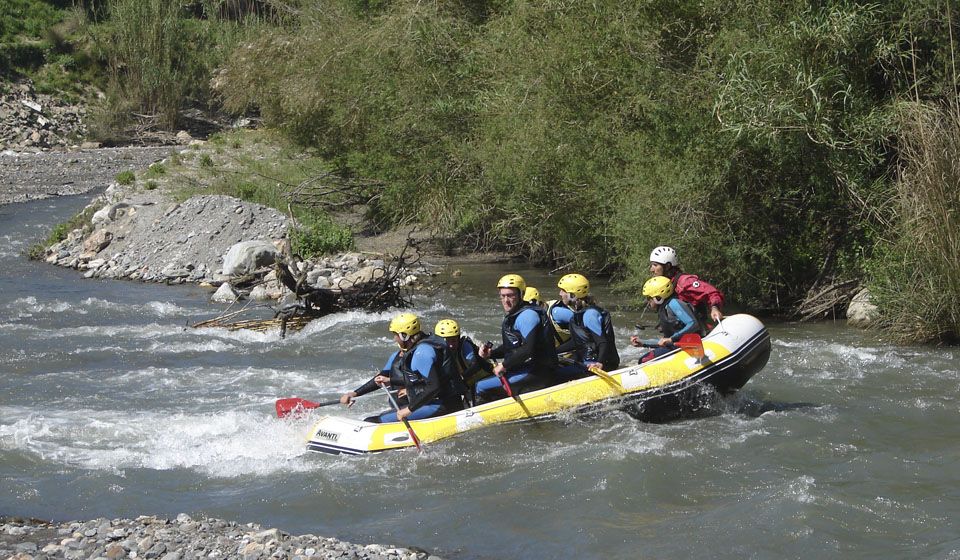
(319, 380)
(145, 332)
(151, 308)
(244, 336)
(800, 489)
(182, 347)
(625, 437)
(26, 307)
(224, 444)
(348, 318)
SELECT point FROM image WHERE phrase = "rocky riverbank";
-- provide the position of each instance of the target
(143, 227)
(183, 538)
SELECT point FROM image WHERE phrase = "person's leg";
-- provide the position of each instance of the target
(429, 410)
(379, 418)
(657, 352)
(489, 388)
(570, 372)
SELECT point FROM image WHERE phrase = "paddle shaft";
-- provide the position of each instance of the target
(396, 406)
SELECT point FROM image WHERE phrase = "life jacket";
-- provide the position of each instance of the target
(449, 390)
(670, 324)
(397, 379)
(544, 358)
(452, 364)
(560, 334)
(589, 342)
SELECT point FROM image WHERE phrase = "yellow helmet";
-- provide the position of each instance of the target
(576, 285)
(406, 324)
(531, 295)
(512, 281)
(659, 288)
(447, 327)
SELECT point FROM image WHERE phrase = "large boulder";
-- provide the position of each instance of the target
(862, 312)
(246, 256)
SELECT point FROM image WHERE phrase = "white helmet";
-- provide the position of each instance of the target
(664, 255)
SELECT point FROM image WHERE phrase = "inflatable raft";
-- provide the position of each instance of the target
(733, 353)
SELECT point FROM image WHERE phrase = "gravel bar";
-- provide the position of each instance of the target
(183, 538)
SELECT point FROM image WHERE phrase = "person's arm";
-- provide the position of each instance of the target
(526, 324)
(475, 363)
(423, 359)
(689, 322)
(371, 385)
(561, 315)
(594, 323)
(693, 290)
(570, 345)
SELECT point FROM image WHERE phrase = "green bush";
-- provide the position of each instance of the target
(61, 231)
(318, 235)
(126, 177)
(160, 58)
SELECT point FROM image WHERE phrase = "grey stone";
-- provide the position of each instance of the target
(862, 312)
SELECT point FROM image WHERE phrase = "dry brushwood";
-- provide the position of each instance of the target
(378, 294)
(828, 301)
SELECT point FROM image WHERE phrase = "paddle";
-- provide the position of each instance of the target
(692, 344)
(393, 401)
(285, 407)
(506, 386)
(598, 371)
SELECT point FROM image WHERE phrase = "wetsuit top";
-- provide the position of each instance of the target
(678, 318)
(593, 338)
(427, 372)
(698, 293)
(560, 316)
(473, 367)
(527, 342)
(390, 369)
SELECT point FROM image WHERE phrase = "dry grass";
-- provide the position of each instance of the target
(920, 289)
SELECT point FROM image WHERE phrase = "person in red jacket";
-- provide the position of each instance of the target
(705, 299)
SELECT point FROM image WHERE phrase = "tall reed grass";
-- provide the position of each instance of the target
(917, 280)
(160, 59)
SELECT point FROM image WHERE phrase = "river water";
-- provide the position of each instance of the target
(110, 406)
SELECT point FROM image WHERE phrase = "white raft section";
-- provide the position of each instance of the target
(733, 352)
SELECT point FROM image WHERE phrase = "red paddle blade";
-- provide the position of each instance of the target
(692, 345)
(285, 407)
(413, 435)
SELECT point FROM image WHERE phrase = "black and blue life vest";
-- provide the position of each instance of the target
(449, 385)
(543, 361)
(670, 324)
(590, 344)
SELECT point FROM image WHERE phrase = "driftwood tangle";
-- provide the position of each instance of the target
(378, 294)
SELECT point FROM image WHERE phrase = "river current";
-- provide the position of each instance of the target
(111, 406)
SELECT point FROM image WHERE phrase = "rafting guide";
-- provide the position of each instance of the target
(704, 297)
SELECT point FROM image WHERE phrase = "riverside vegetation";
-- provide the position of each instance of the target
(784, 148)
